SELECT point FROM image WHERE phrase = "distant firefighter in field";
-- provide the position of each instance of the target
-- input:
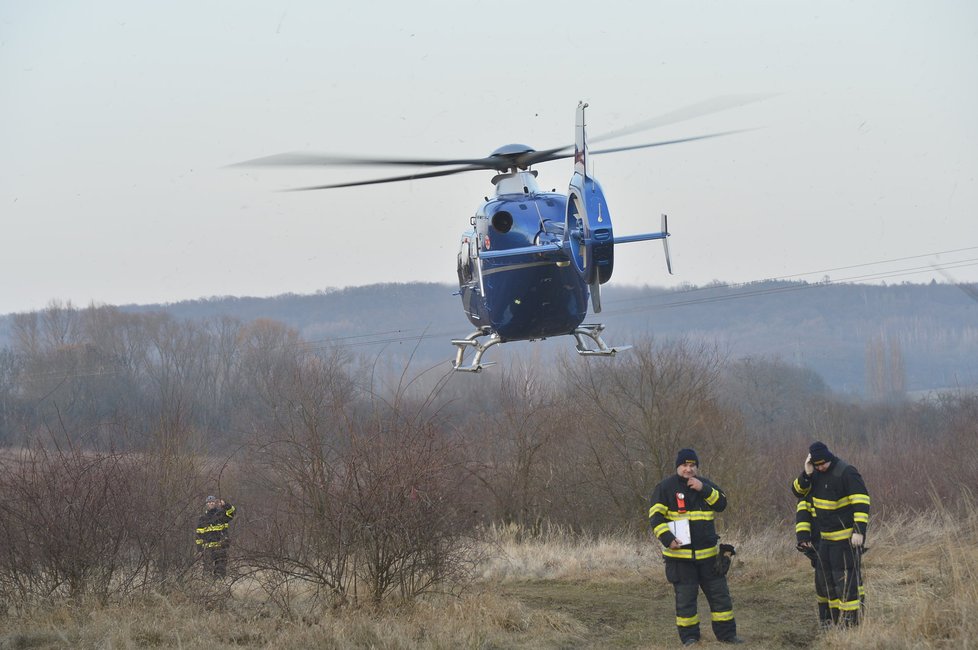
(213, 539)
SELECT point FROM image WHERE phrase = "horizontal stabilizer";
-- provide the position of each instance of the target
(648, 236)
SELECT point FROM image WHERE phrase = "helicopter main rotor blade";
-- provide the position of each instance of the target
(506, 158)
(715, 105)
(520, 160)
(707, 107)
(667, 142)
(299, 159)
(391, 179)
(648, 145)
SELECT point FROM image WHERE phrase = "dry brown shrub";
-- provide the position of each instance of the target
(920, 595)
(78, 523)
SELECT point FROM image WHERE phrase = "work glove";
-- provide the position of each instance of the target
(809, 467)
(809, 552)
(856, 540)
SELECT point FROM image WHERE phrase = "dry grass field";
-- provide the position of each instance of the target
(560, 591)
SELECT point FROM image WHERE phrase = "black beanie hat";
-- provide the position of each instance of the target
(685, 456)
(820, 453)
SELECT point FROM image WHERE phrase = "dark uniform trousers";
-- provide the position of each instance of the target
(822, 595)
(837, 579)
(216, 562)
(829, 614)
(687, 578)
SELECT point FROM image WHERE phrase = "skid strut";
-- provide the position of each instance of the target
(472, 341)
(588, 336)
(593, 331)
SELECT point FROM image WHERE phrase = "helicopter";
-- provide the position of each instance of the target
(531, 260)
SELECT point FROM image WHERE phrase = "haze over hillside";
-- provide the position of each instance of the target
(862, 339)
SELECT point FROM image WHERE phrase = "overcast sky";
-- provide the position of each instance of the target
(118, 121)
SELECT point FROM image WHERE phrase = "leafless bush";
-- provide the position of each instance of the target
(404, 488)
(382, 519)
(516, 445)
(61, 528)
(78, 523)
(358, 499)
(632, 417)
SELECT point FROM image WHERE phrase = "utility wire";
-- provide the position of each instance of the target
(808, 273)
(769, 290)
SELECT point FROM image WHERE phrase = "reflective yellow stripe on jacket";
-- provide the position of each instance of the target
(799, 490)
(837, 535)
(692, 515)
(216, 528)
(201, 542)
(860, 504)
(803, 517)
(852, 499)
(691, 554)
(713, 497)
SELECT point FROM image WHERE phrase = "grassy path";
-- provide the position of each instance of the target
(640, 613)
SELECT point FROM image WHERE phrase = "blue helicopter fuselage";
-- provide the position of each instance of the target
(527, 296)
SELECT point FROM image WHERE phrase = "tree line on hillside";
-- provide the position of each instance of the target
(369, 485)
(835, 329)
(873, 341)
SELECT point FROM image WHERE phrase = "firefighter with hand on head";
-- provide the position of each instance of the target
(681, 515)
(212, 537)
(836, 501)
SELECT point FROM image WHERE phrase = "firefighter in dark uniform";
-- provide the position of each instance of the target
(213, 539)
(685, 505)
(840, 512)
(807, 538)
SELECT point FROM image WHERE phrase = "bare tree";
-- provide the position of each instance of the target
(515, 446)
(637, 412)
(362, 503)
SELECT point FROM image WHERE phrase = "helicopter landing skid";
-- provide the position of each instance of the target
(593, 331)
(472, 341)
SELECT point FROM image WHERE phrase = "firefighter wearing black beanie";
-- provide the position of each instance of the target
(681, 515)
(833, 517)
